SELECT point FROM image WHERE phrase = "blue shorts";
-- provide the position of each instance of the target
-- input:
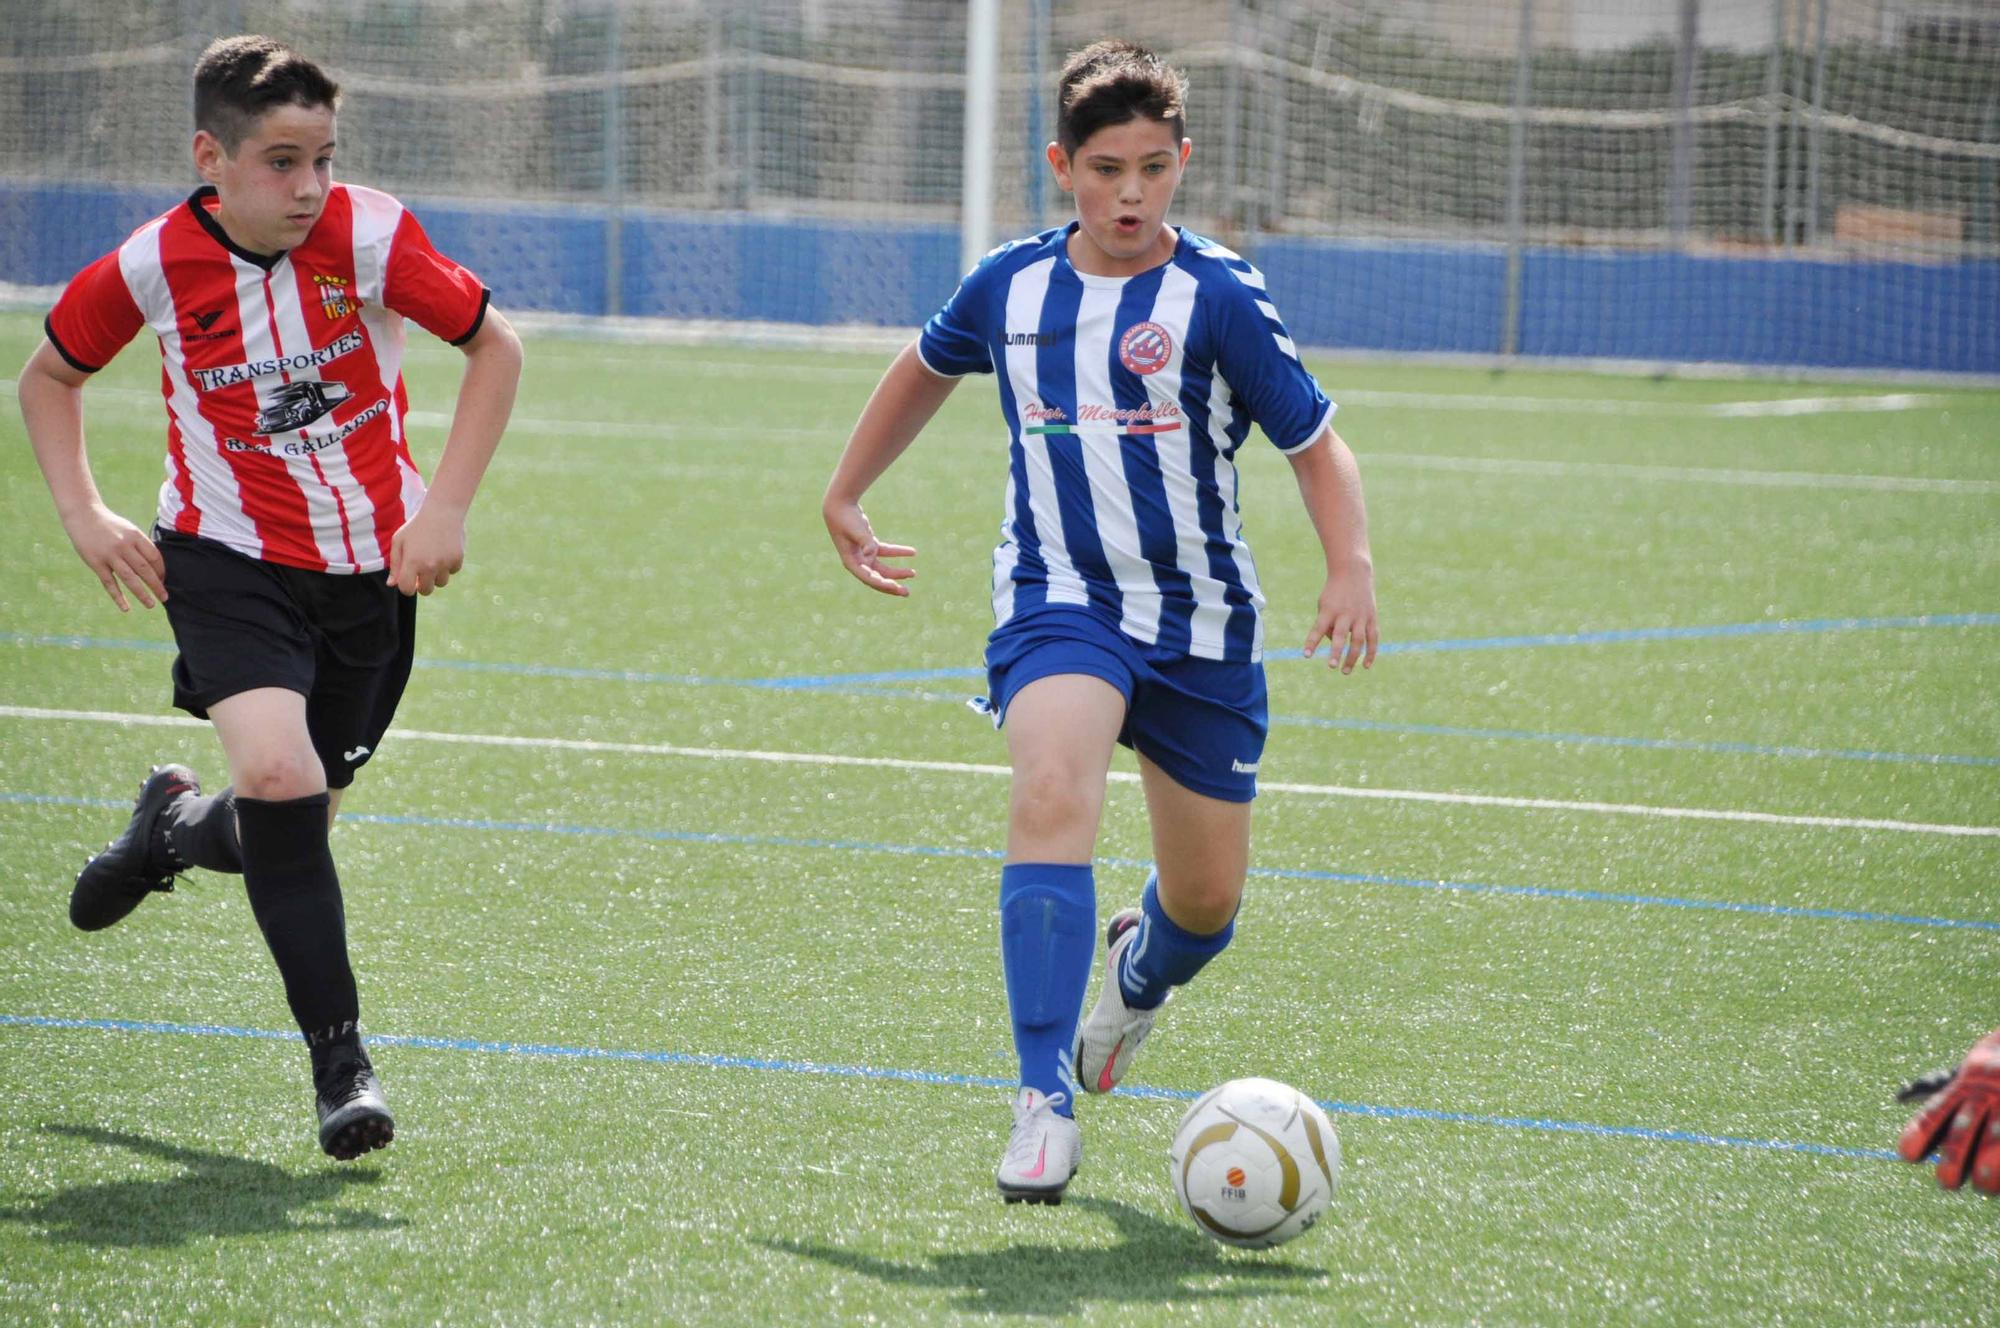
(1202, 721)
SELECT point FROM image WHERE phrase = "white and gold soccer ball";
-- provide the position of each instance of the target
(1255, 1163)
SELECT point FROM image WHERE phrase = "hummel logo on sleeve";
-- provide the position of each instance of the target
(1244, 767)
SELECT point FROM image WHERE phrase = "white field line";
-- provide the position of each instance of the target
(1766, 479)
(139, 399)
(1720, 410)
(1738, 410)
(624, 429)
(1387, 399)
(1001, 771)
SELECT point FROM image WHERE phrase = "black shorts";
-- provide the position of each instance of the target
(343, 642)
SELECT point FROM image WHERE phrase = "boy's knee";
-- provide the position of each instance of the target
(1052, 803)
(1203, 906)
(279, 775)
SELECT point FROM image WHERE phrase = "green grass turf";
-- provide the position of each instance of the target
(656, 512)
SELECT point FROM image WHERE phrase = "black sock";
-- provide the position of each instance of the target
(201, 832)
(295, 895)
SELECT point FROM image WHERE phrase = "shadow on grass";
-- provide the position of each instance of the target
(1155, 1261)
(216, 1195)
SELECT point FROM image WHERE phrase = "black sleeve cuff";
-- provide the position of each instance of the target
(49, 331)
(478, 319)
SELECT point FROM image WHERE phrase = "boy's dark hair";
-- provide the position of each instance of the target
(238, 79)
(1110, 82)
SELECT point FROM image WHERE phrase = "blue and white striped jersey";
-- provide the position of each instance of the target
(1127, 399)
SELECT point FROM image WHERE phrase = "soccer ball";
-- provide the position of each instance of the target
(1255, 1163)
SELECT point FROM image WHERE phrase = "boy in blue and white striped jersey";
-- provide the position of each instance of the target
(1132, 358)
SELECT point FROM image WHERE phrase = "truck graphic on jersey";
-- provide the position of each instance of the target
(297, 404)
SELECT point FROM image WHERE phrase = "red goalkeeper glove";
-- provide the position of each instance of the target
(1960, 1119)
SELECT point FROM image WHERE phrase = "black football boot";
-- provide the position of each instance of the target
(353, 1112)
(139, 861)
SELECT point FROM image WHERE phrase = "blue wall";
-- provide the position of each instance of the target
(1374, 296)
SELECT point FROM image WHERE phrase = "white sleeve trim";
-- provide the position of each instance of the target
(936, 372)
(1319, 431)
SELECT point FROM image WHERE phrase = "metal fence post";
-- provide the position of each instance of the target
(712, 113)
(1774, 89)
(614, 163)
(1232, 119)
(1812, 127)
(1517, 184)
(1036, 195)
(1277, 124)
(1680, 174)
(1986, 200)
(1792, 153)
(750, 90)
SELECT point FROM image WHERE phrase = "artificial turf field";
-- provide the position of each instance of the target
(676, 1032)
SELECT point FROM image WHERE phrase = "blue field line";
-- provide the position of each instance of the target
(889, 683)
(698, 1060)
(86, 642)
(812, 682)
(1643, 744)
(576, 672)
(1136, 864)
(1778, 627)
(1775, 627)
(821, 682)
(1707, 747)
(448, 665)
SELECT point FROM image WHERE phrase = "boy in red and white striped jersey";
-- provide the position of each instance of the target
(293, 530)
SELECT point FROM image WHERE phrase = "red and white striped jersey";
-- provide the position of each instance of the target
(282, 376)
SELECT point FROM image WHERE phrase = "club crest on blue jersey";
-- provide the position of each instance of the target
(1145, 348)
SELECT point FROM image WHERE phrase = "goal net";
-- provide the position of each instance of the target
(1810, 183)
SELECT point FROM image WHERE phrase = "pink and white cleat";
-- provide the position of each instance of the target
(1110, 1034)
(1043, 1151)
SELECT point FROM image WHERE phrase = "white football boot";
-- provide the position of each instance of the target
(1043, 1151)
(1110, 1034)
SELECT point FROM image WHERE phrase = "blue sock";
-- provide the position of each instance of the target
(1165, 955)
(1048, 936)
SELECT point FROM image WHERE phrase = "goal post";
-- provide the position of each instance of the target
(982, 91)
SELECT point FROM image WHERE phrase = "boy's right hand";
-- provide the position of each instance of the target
(861, 553)
(118, 551)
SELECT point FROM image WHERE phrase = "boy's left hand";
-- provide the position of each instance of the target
(1347, 618)
(862, 554)
(426, 550)
(1960, 1119)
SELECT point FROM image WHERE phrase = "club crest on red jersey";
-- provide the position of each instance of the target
(334, 299)
(1145, 348)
